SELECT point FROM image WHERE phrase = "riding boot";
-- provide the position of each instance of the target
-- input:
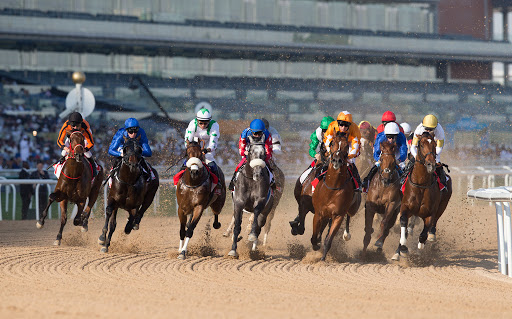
(355, 174)
(368, 178)
(214, 168)
(406, 171)
(146, 170)
(441, 173)
(93, 164)
(61, 159)
(232, 183)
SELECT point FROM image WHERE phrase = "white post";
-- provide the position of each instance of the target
(508, 237)
(13, 201)
(501, 244)
(37, 201)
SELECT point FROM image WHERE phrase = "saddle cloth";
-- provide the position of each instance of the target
(270, 175)
(57, 168)
(215, 180)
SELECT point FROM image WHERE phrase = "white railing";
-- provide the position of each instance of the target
(501, 196)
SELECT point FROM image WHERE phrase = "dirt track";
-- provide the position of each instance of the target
(141, 277)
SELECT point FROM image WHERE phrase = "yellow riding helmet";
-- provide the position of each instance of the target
(430, 121)
(344, 116)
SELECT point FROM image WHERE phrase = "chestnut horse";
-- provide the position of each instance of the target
(129, 191)
(384, 196)
(422, 196)
(76, 185)
(365, 160)
(194, 194)
(334, 196)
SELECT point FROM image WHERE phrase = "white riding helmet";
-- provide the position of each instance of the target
(203, 115)
(391, 129)
(406, 127)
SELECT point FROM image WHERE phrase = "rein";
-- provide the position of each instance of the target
(393, 173)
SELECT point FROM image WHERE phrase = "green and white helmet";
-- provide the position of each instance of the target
(324, 124)
(203, 115)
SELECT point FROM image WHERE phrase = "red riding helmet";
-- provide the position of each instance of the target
(388, 116)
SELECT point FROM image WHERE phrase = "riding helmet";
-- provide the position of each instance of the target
(388, 116)
(131, 122)
(391, 129)
(75, 117)
(406, 127)
(324, 124)
(257, 125)
(344, 116)
(203, 115)
(430, 121)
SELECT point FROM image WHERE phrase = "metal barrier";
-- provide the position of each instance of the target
(13, 182)
(501, 196)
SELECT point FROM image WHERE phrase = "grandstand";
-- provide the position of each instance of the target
(258, 57)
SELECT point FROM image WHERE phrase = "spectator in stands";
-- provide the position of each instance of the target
(26, 190)
(24, 148)
(41, 173)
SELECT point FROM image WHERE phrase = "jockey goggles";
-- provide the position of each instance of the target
(344, 123)
(429, 129)
(393, 136)
(203, 122)
(132, 130)
(74, 123)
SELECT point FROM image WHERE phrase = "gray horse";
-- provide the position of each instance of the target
(252, 193)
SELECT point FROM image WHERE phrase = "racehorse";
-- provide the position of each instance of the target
(129, 191)
(384, 196)
(76, 185)
(422, 196)
(335, 196)
(194, 193)
(252, 193)
(280, 182)
(365, 160)
(303, 193)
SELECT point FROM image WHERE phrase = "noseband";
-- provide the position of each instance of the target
(386, 170)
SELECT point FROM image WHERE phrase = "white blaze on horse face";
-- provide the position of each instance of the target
(194, 163)
(429, 140)
(257, 162)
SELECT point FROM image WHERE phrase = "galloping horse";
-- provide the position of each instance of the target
(252, 193)
(384, 196)
(194, 194)
(303, 193)
(129, 191)
(365, 160)
(422, 196)
(334, 197)
(76, 185)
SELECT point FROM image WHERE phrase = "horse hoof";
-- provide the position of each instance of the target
(294, 231)
(233, 253)
(76, 222)
(56, 242)
(101, 241)
(379, 244)
(252, 237)
(346, 236)
(181, 255)
(431, 237)
(104, 250)
(84, 229)
(421, 245)
(216, 225)
(39, 225)
(316, 247)
(136, 227)
(301, 230)
(379, 249)
(396, 257)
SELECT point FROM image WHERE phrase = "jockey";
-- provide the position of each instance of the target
(345, 125)
(131, 129)
(74, 123)
(408, 135)
(391, 134)
(256, 129)
(316, 137)
(207, 130)
(387, 117)
(276, 138)
(430, 125)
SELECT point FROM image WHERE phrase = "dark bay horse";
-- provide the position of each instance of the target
(422, 196)
(334, 197)
(129, 191)
(76, 185)
(384, 196)
(194, 194)
(252, 193)
(303, 193)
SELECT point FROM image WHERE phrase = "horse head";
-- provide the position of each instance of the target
(427, 151)
(387, 160)
(195, 158)
(76, 144)
(132, 152)
(256, 156)
(339, 150)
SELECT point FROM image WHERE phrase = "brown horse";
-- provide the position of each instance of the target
(194, 194)
(422, 196)
(334, 197)
(129, 191)
(303, 193)
(76, 185)
(365, 160)
(384, 196)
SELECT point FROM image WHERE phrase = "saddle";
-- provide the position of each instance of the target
(215, 180)
(441, 186)
(314, 183)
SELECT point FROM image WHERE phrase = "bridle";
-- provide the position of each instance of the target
(421, 159)
(343, 161)
(388, 171)
(74, 154)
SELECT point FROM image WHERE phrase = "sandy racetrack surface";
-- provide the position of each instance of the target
(456, 277)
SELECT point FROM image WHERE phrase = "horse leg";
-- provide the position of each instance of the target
(268, 223)
(198, 212)
(250, 222)
(424, 232)
(412, 222)
(319, 224)
(333, 229)
(369, 214)
(63, 219)
(148, 200)
(387, 222)
(40, 222)
(108, 214)
(346, 233)
(230, 227)
(93, 196)
(78, 218)
(183, 223)
(404, 219)
(236, 230)
(132, 215)
(112, 228)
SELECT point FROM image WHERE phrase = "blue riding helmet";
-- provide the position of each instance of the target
(257, 125)
(131, 122)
